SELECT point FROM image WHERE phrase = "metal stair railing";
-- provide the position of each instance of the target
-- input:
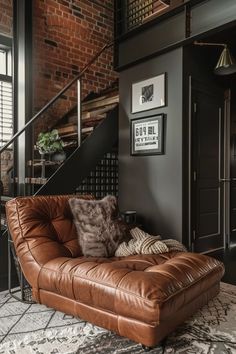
(25, 296)
(55, 98)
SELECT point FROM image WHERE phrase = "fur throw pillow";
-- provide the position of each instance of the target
(99, 230)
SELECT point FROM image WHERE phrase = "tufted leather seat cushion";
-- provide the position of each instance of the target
(146, 288)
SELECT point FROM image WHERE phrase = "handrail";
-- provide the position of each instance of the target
(35, 117)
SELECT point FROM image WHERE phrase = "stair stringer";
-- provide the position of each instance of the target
(84, 159)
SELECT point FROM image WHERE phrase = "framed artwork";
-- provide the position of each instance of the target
(148, 94)
(147, 135)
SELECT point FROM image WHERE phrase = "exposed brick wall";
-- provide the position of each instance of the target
(6, 17)
(67, 34)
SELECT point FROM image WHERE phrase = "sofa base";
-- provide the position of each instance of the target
(137, 331)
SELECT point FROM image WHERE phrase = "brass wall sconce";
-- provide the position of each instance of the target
(226, 64)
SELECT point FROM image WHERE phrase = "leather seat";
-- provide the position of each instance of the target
(143, 297)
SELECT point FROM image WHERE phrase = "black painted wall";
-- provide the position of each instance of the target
(169, 31)
(152, 185)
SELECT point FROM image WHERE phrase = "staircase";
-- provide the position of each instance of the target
(98, 147)
(93, 112)
(98, 137)
(89, 130)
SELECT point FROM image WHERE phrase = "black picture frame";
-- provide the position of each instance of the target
(147, 135)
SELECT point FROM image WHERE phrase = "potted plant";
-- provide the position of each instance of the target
(50, 143)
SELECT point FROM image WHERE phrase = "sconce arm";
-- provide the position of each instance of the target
(210, 44)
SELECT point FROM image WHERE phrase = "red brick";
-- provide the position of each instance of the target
(6, 17)
(78, 40)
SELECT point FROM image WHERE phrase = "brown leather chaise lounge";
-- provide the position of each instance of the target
(142, 297)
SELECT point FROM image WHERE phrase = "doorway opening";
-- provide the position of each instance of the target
(210, 179)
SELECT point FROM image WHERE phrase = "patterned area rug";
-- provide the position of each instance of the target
(27, 329)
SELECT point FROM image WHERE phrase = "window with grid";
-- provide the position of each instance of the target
(6, 112)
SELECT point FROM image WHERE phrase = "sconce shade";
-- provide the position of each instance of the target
(226, 64)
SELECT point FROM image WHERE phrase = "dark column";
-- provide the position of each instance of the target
(22, 78)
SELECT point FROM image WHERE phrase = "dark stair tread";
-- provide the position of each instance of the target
(94, 104)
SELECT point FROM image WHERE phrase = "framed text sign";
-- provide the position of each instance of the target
(148, 94)
(147, 135)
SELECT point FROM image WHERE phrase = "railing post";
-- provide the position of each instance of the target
(79, 111)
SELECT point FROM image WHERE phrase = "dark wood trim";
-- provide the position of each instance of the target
(5, 42)
(186, 102)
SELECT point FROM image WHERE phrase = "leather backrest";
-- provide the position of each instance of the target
(42, 229)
